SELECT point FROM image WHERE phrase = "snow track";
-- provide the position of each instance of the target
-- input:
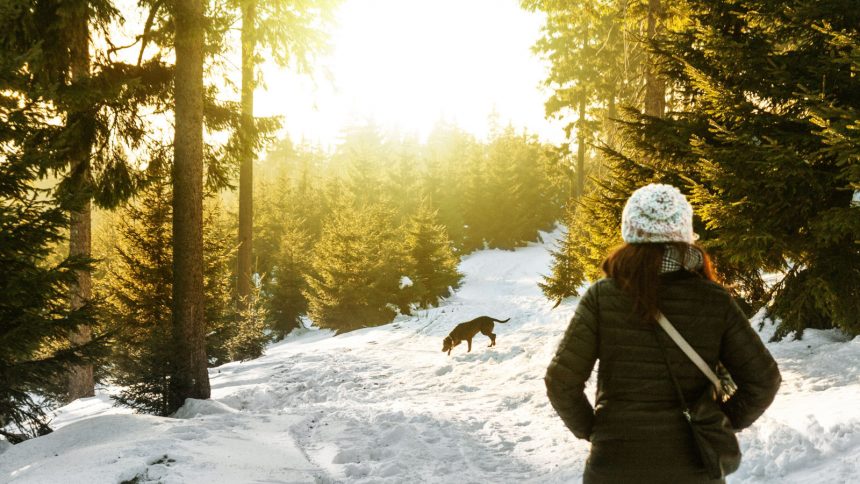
(386, 405)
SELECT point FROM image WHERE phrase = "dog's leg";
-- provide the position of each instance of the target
(470, 345)
(492, 340)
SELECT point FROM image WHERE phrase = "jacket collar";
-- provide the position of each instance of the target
(679, 275)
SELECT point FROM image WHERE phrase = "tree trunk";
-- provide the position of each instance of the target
(655, 86)
(580, 130)
(247, 134)
(580, 149)
(79, 381)
(610, 123)
(610, 127)
(190, 378)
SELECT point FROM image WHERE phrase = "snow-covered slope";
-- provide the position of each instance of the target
(387, 405)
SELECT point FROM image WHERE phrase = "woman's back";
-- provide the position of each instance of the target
(635, 396)
(637, 426)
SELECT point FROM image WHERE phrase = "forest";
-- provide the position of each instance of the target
(154, 227)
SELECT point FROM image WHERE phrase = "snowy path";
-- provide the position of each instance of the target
(386, 405)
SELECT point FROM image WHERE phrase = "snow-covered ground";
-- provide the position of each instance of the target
(386, 405)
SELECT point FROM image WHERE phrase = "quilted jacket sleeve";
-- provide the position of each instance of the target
(752, 367)
(570, 368)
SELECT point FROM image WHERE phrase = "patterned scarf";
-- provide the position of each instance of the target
(675, 260)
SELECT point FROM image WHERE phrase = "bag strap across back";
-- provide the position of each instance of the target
(675, 384)
(687, 349)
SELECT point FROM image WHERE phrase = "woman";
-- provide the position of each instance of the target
(637, 430)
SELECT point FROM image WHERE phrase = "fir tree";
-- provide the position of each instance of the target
(35, 316)
(566, 275)
(286, 301)
(219, 250)
(355, 270)
(48, 60)
(289, 190)
(360, 164)
(750, 138)
(506, 207)
(448, 154)
(762, 84)
(294, 34)
(594, 225)
(430, 262)
(511, 195)
(250, 338)
(138, 294)
(190, 378)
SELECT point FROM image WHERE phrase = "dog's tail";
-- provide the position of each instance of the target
(501, 321)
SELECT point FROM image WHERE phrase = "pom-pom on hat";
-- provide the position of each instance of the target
(657, 213)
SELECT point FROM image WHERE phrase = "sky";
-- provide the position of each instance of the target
(408, 64)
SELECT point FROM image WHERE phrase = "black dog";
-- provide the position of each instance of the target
(468, 330)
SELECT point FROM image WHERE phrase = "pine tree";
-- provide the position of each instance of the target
(219, 251)
(291, 189)
(294, 34)
(751, 140)
(355, 271)
(760, 81)
(286, 301)
(49, 60)
(360, 164)
(190, 378)
(448, 154)
(596, 65)
(138, 294)
(601, 59)
(250, 338)
(511, 195)
(430, 262)
(35, 315)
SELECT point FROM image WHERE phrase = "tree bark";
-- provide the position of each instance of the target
(79, 380)
(655, 86)
(580, 149)
(580, 131)
(610, 127)
(190, 378)
(610, 123)
(247, 134)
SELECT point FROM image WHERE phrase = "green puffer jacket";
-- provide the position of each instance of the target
(635, 397)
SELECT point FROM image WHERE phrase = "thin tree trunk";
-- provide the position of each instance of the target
(246, 170)
(655, 86)
(610, 126)
(580, 149)
(79, 381)
(580, 131)
(610, 123)
(190, 378)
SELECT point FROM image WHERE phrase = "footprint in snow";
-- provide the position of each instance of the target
(444, 370)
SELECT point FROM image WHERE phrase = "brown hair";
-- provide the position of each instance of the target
(636, 268)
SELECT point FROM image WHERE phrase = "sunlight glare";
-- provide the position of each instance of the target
(408, 64)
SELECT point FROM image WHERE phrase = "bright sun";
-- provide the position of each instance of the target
(407, 64)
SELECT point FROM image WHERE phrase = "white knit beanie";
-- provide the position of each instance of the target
(657, 213)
